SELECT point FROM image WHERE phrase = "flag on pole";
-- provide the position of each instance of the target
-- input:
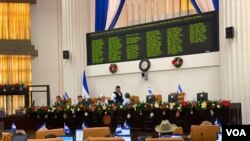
(126, 125)
(65, 96)
(126, 128)
(85, 84)
(42, 127)
(13, 127)
(84, 125)
(218, 123)
(179, 89)
(66, 129)
(150, 92)
(118, 129)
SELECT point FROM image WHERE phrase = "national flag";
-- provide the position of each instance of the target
(150, 92)
(118, 129)
(13, 127)
(217, 122)
(126, 125)
(84, 125)
(209, 5)
(42, 127)
(126, 128)
(66, 129)
(179, 89)
(85, 84)
(65, 96)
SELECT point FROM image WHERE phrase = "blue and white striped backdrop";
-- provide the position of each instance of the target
(107, 13)
(202, 6)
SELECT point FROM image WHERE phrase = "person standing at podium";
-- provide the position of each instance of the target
(116, 96)
(127, 99)
(59, 101)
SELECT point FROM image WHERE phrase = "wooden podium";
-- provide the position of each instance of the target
(181, 97)
(158, 98)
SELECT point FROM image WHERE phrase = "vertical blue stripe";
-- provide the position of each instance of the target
(195, 6)
(216, 5)
(84, 82)
(112, 25)
(101, 11)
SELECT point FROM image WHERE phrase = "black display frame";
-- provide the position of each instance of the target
(210, 20)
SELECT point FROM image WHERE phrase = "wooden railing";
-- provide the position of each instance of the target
(140, 122)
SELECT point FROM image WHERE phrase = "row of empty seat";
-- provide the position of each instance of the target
(198, 133)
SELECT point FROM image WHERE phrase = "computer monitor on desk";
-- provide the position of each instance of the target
(150, 98)
(19, 137)
(173, 97)
(66, 138)
(203, 96)
(125, 137)
(79, 135)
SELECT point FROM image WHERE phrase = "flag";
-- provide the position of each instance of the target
(126, 125)
(218, 123)
(126, 128)
(66, 129)
(179, 89)
(150, 92)
(13, 127)
(84, 125)
(118, 129)
(42, 127)
(85, 83)
(65, 96)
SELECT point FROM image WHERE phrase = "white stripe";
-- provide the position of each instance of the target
(210, 5)
(202, 5)
(112, 9)
(85, 93)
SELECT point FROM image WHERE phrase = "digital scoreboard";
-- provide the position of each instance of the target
(172, 37)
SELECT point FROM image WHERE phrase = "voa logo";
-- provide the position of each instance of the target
(236, 132)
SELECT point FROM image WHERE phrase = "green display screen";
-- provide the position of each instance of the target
(179, 36)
